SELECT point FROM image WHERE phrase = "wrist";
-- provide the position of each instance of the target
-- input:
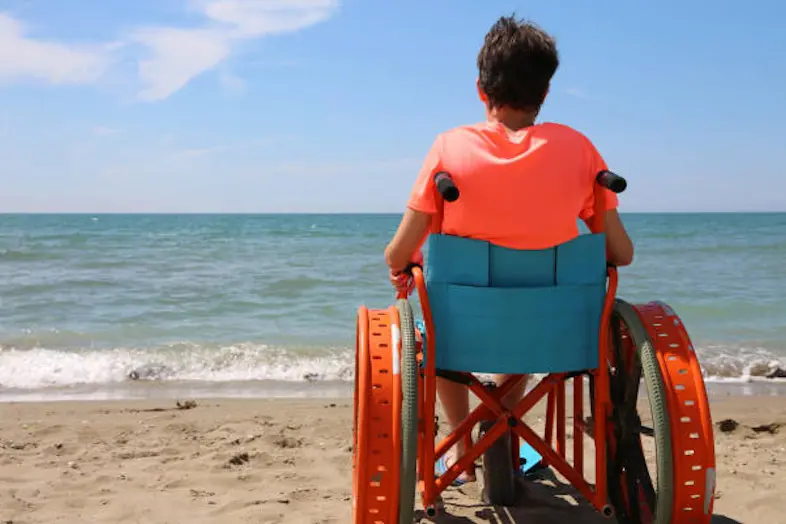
(400, 267)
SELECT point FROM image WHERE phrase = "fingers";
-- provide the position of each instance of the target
(403, 283)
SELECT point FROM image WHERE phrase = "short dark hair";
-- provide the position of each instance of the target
(516, 64)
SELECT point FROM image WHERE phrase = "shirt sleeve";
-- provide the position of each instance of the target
(423, 195)
(596, 165)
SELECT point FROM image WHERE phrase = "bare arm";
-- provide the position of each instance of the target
(618, 244)
(410, 234)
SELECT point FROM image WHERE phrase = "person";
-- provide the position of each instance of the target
(524, 185)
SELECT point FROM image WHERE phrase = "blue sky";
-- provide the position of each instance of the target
(321, 105)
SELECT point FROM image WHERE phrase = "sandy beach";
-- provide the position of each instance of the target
(289, 461)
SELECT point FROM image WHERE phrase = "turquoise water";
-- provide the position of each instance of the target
(212, 300)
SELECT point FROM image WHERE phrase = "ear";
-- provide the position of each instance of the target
(481, 94)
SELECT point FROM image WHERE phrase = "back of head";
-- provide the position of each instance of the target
(516, 64)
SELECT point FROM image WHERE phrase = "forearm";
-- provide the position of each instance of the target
(619, 247)
(407, 241)
(397, 259)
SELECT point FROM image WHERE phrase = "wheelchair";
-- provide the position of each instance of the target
(553, 313)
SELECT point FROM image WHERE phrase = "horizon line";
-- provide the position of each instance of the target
(367, 213)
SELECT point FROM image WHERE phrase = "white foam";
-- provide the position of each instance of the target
(38, 367)
(41, 367)
(739, 364)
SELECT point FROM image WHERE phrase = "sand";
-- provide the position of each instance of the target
(288, 461)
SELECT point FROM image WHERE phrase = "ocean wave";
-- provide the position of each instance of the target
(25, 255)
(38, 368)
(722, 363)
(41, 368)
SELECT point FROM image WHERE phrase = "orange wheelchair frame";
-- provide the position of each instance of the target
(378, 396)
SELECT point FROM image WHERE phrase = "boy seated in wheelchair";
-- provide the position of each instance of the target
(524, 185)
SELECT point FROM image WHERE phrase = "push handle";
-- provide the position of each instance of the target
(611, 181)
(446, 187)
(404, 293)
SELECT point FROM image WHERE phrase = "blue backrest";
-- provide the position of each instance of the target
(500, 310)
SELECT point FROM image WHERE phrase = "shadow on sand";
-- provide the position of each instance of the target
(720, 519)
(543, 501)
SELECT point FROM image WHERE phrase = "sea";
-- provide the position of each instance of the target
(265, 305)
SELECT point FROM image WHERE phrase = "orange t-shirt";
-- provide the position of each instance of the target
(521, 189)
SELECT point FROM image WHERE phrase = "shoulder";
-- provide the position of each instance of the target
(569, 139)
(457, 138)
(562, 131)
(461, 141)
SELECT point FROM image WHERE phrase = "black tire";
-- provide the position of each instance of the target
(409, 413)
(499, 479)
(659, 496)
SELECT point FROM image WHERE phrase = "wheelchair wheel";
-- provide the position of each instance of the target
(409, 413)
(645, 339)
(499, 479)
(634, 495)
(385, 420)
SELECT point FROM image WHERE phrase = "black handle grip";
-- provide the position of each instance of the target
(611, 181)
(446, 187)
(412, 265)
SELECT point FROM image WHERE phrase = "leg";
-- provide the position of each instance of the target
(515, 394)
(454, 398)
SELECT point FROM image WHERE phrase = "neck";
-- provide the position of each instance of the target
(513, 119)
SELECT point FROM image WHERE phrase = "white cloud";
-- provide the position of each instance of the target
(171, 56)
(253, 18)
(576, 92)
(177, 55)
(25, 58)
